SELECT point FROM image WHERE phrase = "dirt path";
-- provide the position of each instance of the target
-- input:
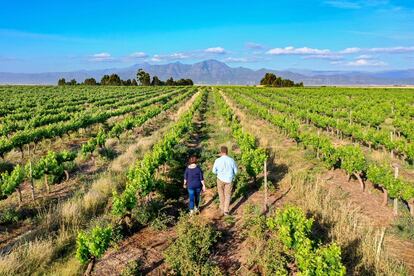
(369, 202)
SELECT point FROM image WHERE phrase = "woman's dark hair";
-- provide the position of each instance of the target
(192, 160)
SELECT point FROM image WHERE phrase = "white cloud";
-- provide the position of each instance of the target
(215, 50)
(297, 51)
(352, 50)
(386, 50)
(253, 45)
(102, 57)
(235, 60)
(169, 57)
(331, 56)
(139, 55)
(392, 50)
(366, 62)
(364, 57)
(178, 56)
(156, 58)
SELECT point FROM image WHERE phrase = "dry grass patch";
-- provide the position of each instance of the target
(341, 221)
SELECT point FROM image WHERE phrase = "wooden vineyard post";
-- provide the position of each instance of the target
(379, 246)
(385, 197)
(31, 176)
(265, 186)
(411, 205)
(31, 180)
(317, 149)
(19, 196)
(396, 171)
(337, 127)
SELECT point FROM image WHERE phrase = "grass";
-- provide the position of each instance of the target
(403, 227)
(341, 221)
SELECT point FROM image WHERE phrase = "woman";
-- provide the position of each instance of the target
(194, 182)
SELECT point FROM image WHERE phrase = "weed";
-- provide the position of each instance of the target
(190, 253)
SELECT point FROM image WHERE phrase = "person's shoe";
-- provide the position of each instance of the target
(191, 212)
(196, 210)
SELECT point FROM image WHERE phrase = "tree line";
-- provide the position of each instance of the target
(271, 79)
(143, 79)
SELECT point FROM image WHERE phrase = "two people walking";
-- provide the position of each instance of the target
(224, 167)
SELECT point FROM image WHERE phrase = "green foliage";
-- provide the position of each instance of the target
(90, 81)
(89, 147)
(10, 181)
(101, 138)
(284, 240)
(133, 268)
(61, 81)
(241, 185)
(113, 79)
(253, 222)
(352, 159)
(9, 215)
(404, 227)
(189, 253)
(93, 244)
(271, 79)
(152, 213)
(384, 177)
(293, 227)
(294, 230)
(272, 260)
(48, 165)
(143, 78)
(53, 165)
(325, 260)
(162, 221)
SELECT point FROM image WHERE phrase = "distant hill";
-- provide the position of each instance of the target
(215, 72)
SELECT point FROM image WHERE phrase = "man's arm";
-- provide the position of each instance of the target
(215, 170)
(235, 170)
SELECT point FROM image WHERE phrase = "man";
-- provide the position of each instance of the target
(226, 169)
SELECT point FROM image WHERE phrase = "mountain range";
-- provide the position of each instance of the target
(216, 72)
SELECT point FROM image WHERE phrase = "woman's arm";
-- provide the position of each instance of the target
(185, 178)
(202, 180)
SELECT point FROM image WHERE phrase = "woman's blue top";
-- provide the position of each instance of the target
(194, 176)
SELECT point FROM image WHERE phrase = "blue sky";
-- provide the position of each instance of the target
(39, 36)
